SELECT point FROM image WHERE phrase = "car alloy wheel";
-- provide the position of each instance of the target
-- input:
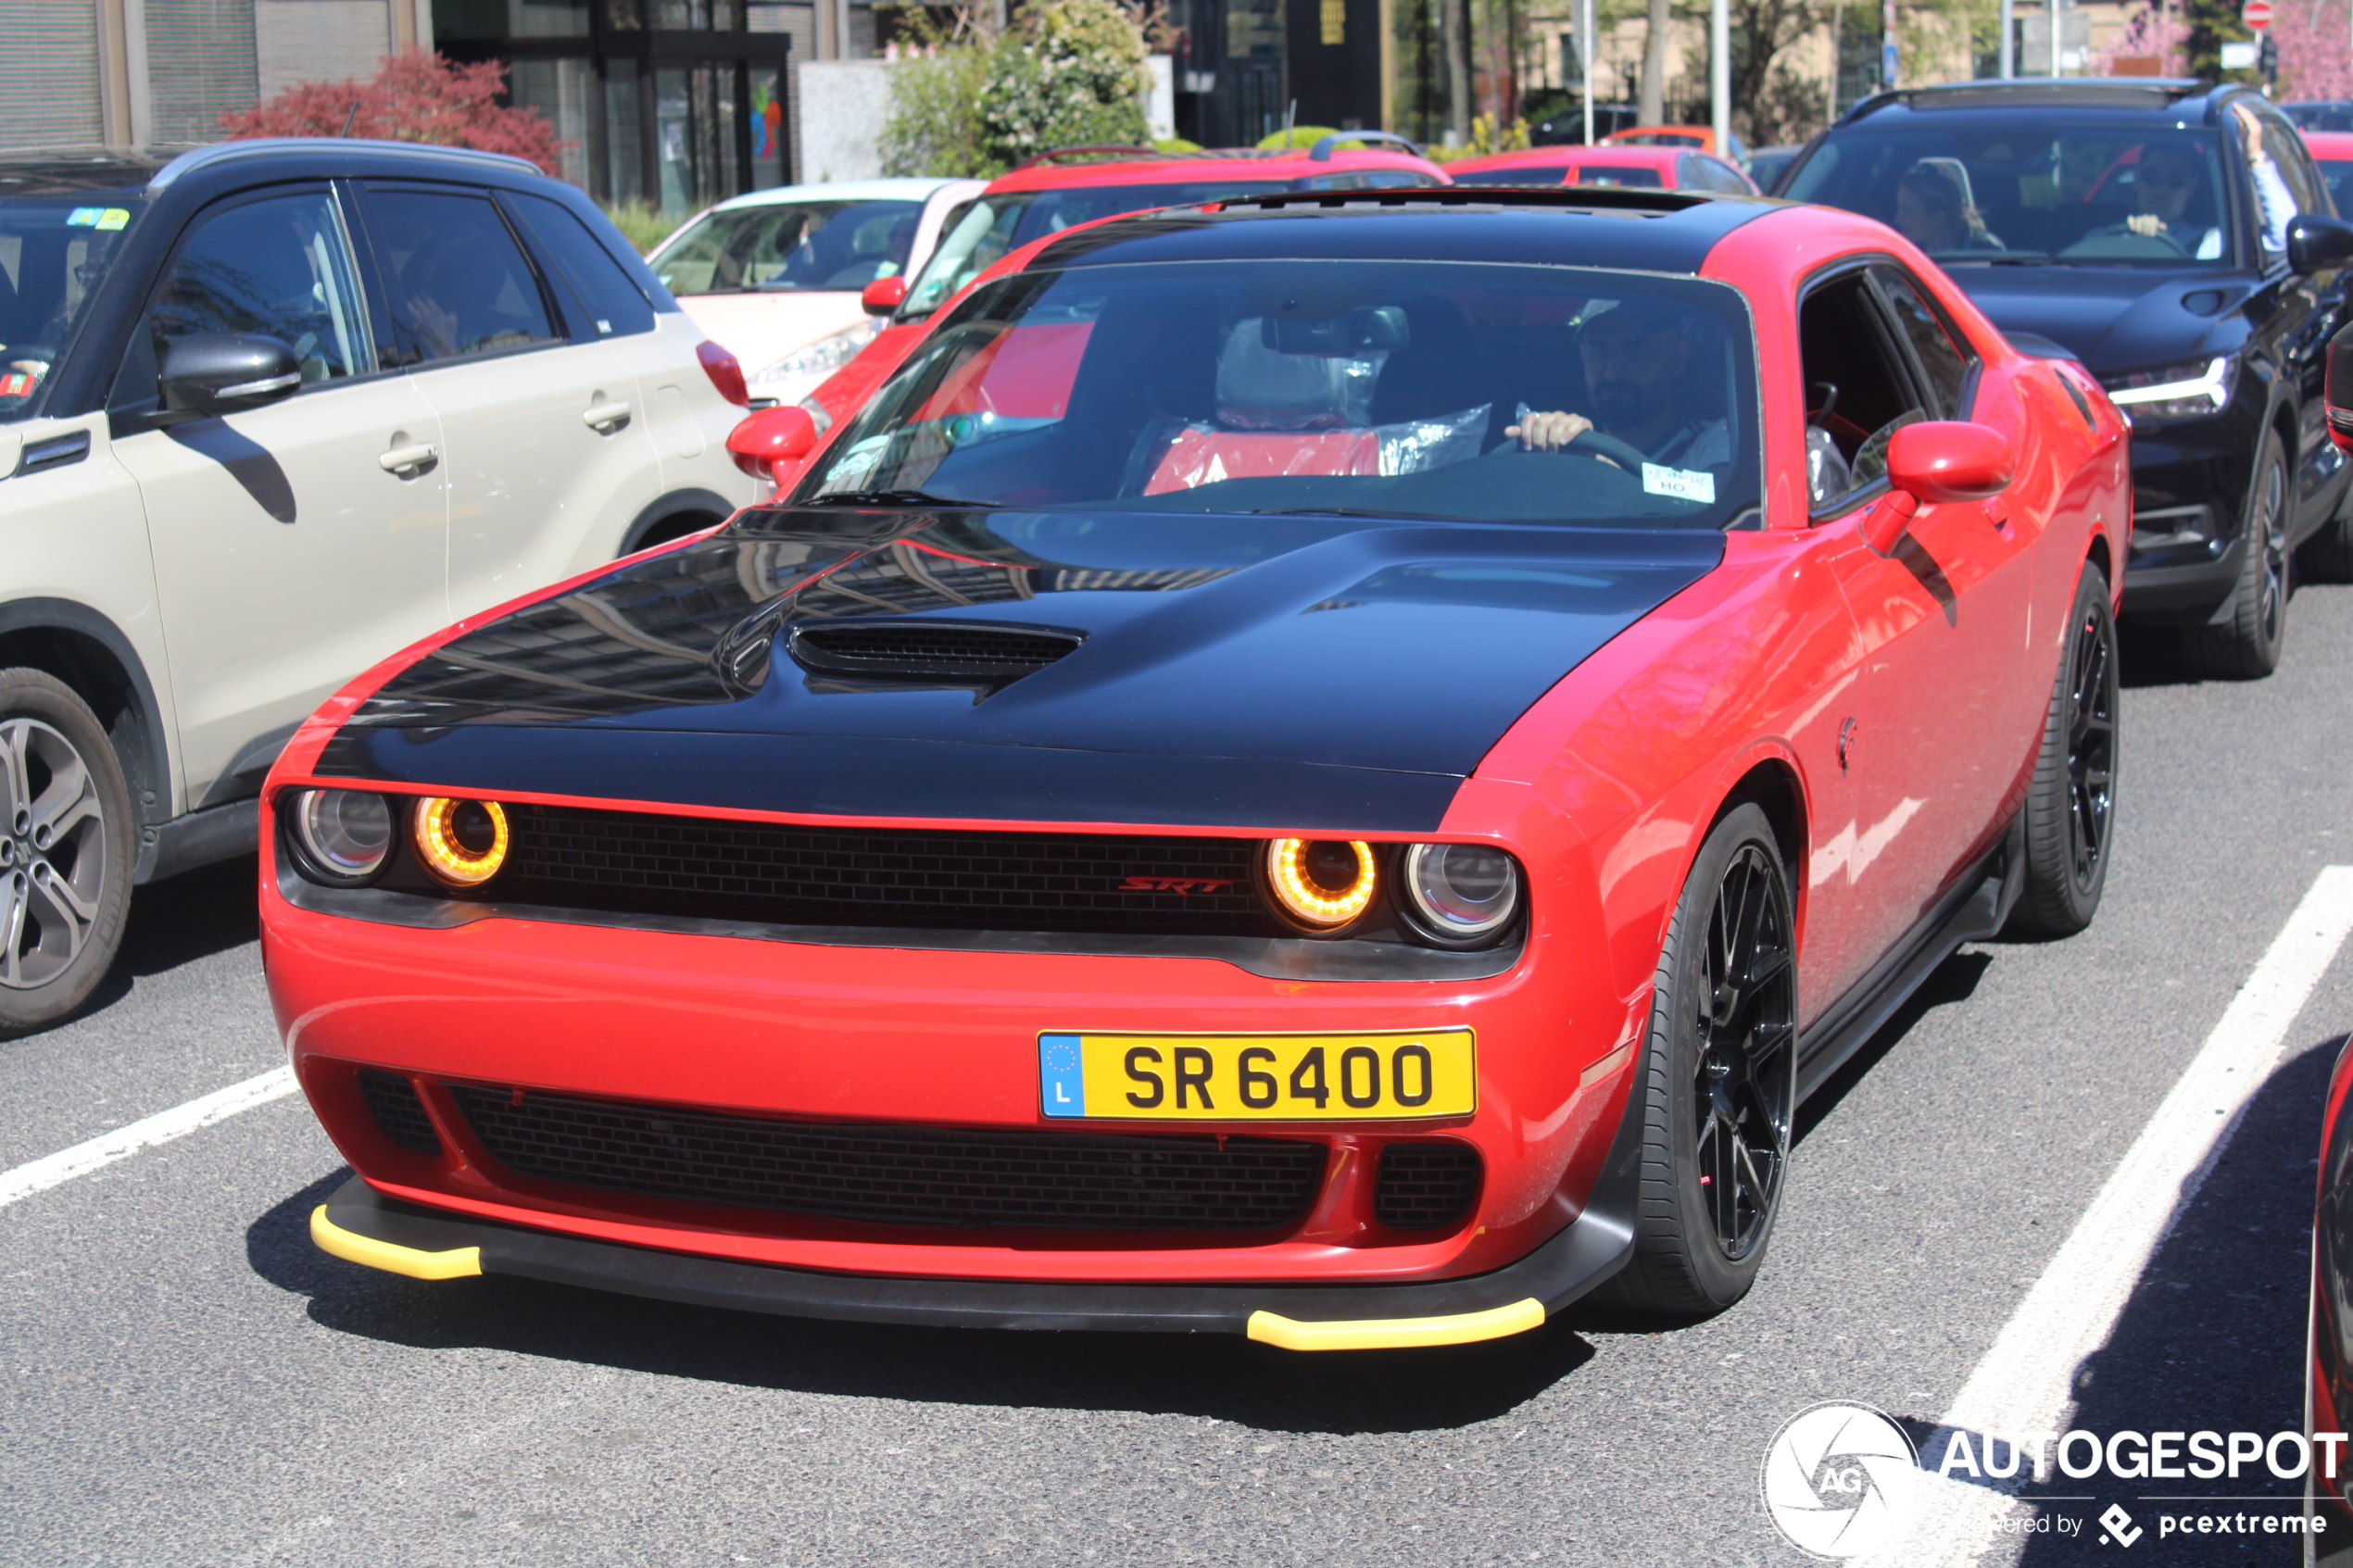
(64, 850)
(2071, 805)
(1719, 1089)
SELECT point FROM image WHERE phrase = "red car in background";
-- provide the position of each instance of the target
(1325, 769)
(2332, 150)
(1673, 168)
(1054, 191)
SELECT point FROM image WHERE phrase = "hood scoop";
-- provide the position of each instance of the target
(902, 647)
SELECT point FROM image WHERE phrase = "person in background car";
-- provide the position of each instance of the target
(1933, 211)
(2166, 185)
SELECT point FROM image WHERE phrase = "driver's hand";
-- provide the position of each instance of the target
(2148, 225)
(1548, 433)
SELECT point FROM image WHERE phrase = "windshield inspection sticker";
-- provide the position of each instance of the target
(1684, 484)
(97, 218)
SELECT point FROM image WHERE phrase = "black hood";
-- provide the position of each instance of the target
(1260, 670)
(2114, 319)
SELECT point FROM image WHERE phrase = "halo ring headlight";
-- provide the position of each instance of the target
(461, 842)
(1459, 894)
(1322, 883)
(344, 836)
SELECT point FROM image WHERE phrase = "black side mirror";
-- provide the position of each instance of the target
(2339, 395)
(210, 373)
(2317, 243)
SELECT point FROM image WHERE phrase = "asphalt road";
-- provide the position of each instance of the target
(188, 1382)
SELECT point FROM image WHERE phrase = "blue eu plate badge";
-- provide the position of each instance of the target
(1060, 1081)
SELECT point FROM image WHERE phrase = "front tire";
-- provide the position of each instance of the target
(2245, 647)
(1719, 1085)
(66, 838)
(2070, 806)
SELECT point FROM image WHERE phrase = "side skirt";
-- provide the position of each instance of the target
(1974, 909)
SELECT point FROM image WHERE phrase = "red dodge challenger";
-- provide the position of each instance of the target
(1330, 767)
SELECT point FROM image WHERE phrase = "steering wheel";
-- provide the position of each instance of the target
(1624, 454)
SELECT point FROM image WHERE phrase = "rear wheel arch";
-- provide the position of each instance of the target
(86, 651)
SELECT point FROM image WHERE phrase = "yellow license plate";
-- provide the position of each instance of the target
(1384, 1077)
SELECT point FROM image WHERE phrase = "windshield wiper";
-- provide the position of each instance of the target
(894, 498)
(1339, 511)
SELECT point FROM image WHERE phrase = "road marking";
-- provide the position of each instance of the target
(2027, 1380)
(41, 1174)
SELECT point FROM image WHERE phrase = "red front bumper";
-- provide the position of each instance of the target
(923, 1037)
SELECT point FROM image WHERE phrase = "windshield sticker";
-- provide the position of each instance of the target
(114, 218)
(97, 218)
(1683, 484)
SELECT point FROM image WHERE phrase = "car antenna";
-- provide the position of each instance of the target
(349, 115)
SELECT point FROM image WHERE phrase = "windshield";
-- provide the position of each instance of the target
(1443, 390)
(1995, 189)
(842, 245)
(2338, 173)
(1587, 174)
(984, 231)
(54, 251)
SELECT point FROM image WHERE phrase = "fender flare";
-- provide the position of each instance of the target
(671, 506)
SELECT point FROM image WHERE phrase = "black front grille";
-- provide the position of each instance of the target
(401, 1115)
(901, 1176)
(901, 646)
(647, 862)
(1425, 1186)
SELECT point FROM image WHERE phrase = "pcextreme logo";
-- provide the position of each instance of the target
(1838, 1480)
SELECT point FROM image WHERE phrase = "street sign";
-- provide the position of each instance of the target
(2256, 14)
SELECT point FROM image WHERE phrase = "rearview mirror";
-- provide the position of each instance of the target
(767, 442)
(883, 296)
(206, 374)
(2317, 243)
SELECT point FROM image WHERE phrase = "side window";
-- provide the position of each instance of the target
(2271, 198)
(1945, 360)
(616, 306)
(1858, 393)
(280, 268)
(458, 283)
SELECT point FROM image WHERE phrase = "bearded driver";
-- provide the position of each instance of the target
(1634, 355)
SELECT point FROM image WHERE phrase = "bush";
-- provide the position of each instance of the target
(414, 96)
(1070, 75)
(642, 224)
(933, 124)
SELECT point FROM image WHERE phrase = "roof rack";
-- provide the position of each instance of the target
(2039, 91)
(229, 152)
(1322, 151)
(1575, 198)
(1091, 149)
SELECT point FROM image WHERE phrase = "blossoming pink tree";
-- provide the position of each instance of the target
(2316, 48)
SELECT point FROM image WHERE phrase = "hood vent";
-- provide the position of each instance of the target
(900, 647)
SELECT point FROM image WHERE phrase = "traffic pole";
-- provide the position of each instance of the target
(1719, 73)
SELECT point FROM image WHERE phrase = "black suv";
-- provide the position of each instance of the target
(2176, 238)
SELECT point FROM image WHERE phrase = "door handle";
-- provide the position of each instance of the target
(405, 460)
(605, 418)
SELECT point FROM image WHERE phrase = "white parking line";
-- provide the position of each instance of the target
(41, 1174)
(2026, 1381)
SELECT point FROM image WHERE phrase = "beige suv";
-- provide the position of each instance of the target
(270, 412)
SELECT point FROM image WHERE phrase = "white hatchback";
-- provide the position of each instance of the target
(775, 276)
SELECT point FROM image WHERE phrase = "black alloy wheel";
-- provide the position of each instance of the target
(1719, 1089)
(65, 850)
(2246, 644)
(2071, 805)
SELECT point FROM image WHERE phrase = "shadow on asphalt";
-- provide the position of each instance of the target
(1227, 1378)
(2211, 1339)
(1952, 982)
(178, 921)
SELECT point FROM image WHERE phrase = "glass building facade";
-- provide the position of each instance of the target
(673, 103)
